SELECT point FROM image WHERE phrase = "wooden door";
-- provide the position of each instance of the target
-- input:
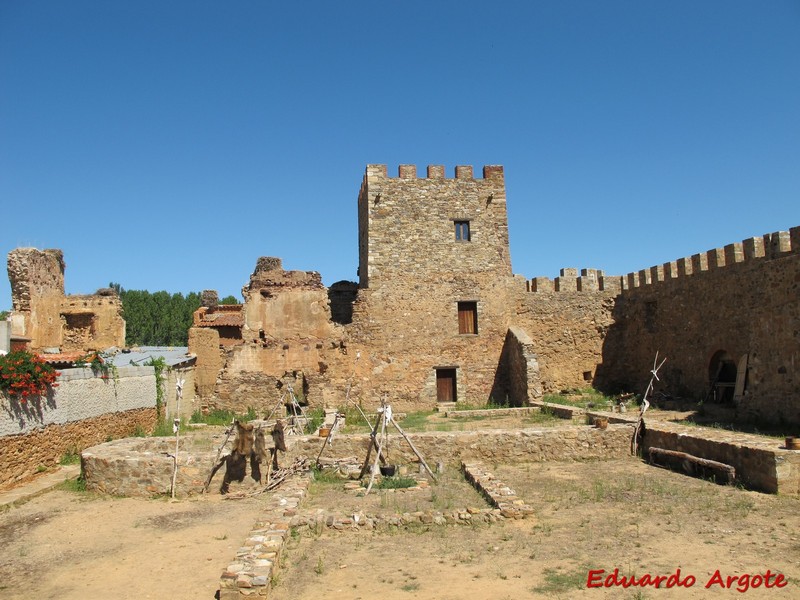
(446, 385)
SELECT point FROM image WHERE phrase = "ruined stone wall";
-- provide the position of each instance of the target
(91, 322)
(189, 401)
(42, 313)
(741, 299)
(518, 379)
(282, 305)
(287, 335)
(37, 288)
(205, 344)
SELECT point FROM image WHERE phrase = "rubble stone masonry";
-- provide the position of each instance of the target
(741, 302)
(438, 315)
(42, 313)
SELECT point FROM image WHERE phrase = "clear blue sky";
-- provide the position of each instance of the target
(168, 145)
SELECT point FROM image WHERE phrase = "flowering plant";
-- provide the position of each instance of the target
(24, 374)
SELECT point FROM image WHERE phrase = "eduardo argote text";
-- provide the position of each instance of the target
(599, 578)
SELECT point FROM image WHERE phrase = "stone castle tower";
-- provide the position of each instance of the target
(434, 280)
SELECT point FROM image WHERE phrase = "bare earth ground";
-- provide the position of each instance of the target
(593, 515)
(71, 545)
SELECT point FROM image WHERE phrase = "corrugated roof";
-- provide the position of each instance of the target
(173, 356)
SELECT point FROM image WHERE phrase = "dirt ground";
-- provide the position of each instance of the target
(71, 545)
(594, 515)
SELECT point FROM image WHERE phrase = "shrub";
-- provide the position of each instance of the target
(24, 374)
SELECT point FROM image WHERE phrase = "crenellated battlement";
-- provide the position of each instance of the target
(767, 247)
(589, 280)
(434, 172)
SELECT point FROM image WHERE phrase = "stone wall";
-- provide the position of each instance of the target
(189, 402)
(568, 326)
(22, 456)
(489, 446)
(139, 467)
(740, 302)
(42, 312)
(81, 411)
(761, 463)
(205, 344)
(517, 380)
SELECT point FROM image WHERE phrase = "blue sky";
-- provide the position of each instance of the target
(168, 145)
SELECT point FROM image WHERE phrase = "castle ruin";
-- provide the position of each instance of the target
(43, 317)
(438, 316)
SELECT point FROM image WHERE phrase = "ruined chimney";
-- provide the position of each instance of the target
(209, 299)
(268, 263)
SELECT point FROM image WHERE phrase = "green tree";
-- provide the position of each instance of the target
(158, 318)
(229, 300)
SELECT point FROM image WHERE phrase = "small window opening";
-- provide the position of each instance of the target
(462, 231)
(468, 317)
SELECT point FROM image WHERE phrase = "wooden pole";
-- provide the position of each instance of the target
(645, 404)
(414, 448)
(375, 465)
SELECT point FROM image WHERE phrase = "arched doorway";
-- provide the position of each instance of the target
(722, 377)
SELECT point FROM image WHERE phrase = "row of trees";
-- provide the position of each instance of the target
(159, 318)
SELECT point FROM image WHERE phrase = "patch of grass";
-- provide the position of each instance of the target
(410, 587)
(541, 417)
(416, 421)
(71, 457)
(558, 580)
(585, 398)
(396, 483)
(222, 417)
(490, 405)
(162, 429)
(325, 476)
(41, 469)
(315, 417)
(77, 485)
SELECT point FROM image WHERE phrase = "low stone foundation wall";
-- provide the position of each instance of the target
(142, 466)
(489, 446)
(761, 463)
(22, 455)
(250, 573)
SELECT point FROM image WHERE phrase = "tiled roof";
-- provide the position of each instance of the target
(62, 357)
(229, 315)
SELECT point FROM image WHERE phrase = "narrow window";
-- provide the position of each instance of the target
(468, 317)
(462, 231)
